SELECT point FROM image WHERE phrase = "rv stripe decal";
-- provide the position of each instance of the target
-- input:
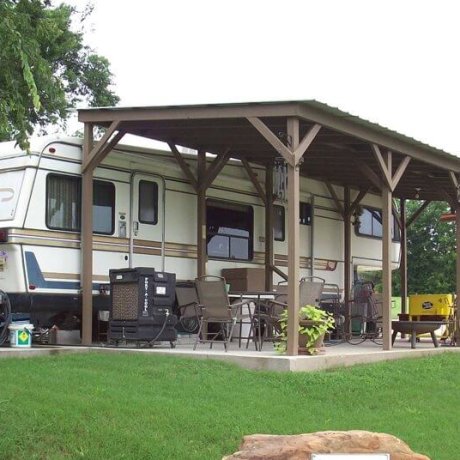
(35, 276)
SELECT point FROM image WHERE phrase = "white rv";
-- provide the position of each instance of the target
(145, 215)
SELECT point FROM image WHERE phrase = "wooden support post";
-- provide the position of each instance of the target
(457, 233)
(268, 227)
(347, 275)
(201, 215)
(386, 266)
(403, 264)
(293, 244)
(86, 244)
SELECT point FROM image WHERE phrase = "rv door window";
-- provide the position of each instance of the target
(229, 230)
(304, 213)
(63, 204)
(103, 207)
(278, 223)
(148, 202)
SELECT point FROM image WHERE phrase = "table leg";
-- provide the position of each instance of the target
(393, 337)
(435, 339)
(413, 338)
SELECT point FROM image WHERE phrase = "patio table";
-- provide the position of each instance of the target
(256, 297)
(416, 327)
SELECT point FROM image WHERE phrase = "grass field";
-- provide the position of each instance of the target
(139, 406)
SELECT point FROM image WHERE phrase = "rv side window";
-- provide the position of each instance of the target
(369, 223)
(148, 202)
(229, 232)
(63, 195)
(304, 213)
(63, 204)
(278, 223)
(103, 207)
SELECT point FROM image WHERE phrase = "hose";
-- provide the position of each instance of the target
(5, 316)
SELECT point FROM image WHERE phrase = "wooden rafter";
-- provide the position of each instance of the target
(367, 171)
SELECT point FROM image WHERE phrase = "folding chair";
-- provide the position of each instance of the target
(187, 306)
(214, 307)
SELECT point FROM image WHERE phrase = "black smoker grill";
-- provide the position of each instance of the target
(141, 301)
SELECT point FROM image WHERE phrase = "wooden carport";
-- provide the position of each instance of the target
(315, 140)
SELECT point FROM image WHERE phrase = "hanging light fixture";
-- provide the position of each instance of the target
(280, 179)
(417, 192)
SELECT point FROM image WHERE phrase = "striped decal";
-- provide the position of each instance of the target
(146, 247)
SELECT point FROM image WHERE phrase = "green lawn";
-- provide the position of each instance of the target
(142, 406)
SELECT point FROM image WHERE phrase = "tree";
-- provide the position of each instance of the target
(431, 251)
(45, 68)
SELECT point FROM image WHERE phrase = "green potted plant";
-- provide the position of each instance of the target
(313, 325)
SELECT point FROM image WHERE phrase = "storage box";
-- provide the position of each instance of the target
(431, 304)
(245, 279)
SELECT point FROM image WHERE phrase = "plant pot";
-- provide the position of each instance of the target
(303, 338)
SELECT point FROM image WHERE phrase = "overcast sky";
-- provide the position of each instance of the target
(392, 62)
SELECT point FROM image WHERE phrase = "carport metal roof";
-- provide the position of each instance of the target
(342, 152)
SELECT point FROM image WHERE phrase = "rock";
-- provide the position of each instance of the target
(300, 447)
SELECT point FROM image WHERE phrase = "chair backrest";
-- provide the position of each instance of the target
(186, 295)
(311, 289)
(212, 295)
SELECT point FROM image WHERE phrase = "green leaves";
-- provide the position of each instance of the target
(431, 251)
(45, 68)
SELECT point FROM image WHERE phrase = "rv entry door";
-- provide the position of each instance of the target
(147, 223)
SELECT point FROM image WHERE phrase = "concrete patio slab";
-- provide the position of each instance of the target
(340, 355)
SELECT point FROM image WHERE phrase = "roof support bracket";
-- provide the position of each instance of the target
(335, 198)
(254, 180)
(100, 150)
(305, 143)
(184, 166)
(386, 166)
(216, 166)
(274, 141)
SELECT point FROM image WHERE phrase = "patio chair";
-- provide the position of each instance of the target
(214, 307)
(187, 306)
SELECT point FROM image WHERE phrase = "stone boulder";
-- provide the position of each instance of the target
(300, 447)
